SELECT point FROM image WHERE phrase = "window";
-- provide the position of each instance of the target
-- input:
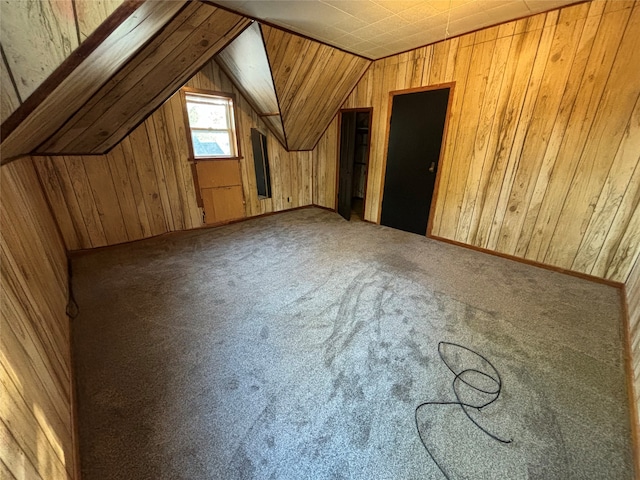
(212, 125)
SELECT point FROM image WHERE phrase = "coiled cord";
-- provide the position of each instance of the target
(494, 379)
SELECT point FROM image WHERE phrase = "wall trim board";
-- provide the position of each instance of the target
(631, 387)
(328, 209)
(533, 263)
(383, 167)
(122, 13)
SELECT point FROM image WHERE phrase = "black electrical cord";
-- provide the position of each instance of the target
(494, 392)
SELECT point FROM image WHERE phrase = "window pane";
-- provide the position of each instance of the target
(211, 144)
(207, 115)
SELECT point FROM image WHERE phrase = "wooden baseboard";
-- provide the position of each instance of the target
(329, 209)
(199, 227)
(533, 263)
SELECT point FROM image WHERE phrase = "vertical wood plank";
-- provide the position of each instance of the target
(41, 32)
(603, 141)
(537, 142)
(105, 199)
(36, 430)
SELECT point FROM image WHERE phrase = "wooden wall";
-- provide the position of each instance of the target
(37, 36)
(311, 81)
(541, 154)
(36, 403)
(144, 186)
(325, 167)
(632, 288)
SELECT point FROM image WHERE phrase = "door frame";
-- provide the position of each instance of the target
(383, 173)
(366, 161)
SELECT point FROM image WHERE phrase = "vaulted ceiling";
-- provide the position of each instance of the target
(145, 50)
(125, 70)
(295, 84)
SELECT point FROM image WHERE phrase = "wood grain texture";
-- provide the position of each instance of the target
(542, 154)
(184, 45)
(245, 62)
(90, 14)
(9, 99)
(37, 36)
(36, 411)
(311, 81)
(80, 77)
(145, 186)
(324, 170)
(632, 289)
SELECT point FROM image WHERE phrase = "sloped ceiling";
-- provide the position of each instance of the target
(295, 84)
(119, 75)
(245, 62)
(311, 80)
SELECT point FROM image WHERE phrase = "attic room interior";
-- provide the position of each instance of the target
(323, 239)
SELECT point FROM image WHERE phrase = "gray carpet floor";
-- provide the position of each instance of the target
(298, 345)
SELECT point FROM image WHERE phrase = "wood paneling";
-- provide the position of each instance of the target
(39, 35)
(541, 156)
(245, 62)
(9, 99)
(90, 14)
(82, 74)
(222, 204)
(632, 288)
(36, 410)
(325, 168)
(144, 186)
(85, 115)
(220, 183)
(218, 173)
(311, 81)
(185, 44)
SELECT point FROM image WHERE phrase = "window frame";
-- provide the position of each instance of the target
(235, 132)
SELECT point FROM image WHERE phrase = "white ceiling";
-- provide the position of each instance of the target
(378, 28)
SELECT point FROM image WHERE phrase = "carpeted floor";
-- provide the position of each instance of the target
(298, 345)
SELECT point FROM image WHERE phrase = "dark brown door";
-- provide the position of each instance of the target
(415, 140)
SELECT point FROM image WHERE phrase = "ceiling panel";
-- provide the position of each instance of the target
(378, 28)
